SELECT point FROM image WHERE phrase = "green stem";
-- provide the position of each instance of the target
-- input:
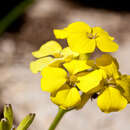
(57, 119)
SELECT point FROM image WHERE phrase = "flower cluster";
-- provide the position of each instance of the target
(72, 77)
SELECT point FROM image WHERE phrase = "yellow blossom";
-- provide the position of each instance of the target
(115, 92)
(51, 53)
(84, 39)
(59, 76)
(62, 82)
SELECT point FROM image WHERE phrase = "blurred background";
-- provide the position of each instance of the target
(24, 26)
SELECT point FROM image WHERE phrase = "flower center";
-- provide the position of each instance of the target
(91, 35)
(110, 81)
(72, 79)
(58, 55)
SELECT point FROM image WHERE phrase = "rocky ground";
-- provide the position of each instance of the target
(21, 88)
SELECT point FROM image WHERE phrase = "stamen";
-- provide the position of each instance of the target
(71, 80)
(92, 35)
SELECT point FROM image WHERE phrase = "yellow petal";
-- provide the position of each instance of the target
(67, 52)
(66, 98)
(52, 79)
(78, 27)
(111, 100)
(101, 32)
(59, 97)
(106, 44)
(72, 28)
(124, 83)
(56, 62)
(79, 42)
(109, 65)
(104, 60)
(49, 48)
(90, 83)
(92, 63)
(60, 33)
(38, 65)
(73, 98)
(76, 66)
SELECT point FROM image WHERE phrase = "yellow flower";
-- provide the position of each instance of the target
(84, 39)
(64, 84)
(105, 68)
(116, 93)
(111, 97)
(60, 76)
(51, 53)
(111, 100)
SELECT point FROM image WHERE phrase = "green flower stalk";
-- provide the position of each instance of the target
(57, 119)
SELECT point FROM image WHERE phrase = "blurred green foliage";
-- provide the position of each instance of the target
(7, 18)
